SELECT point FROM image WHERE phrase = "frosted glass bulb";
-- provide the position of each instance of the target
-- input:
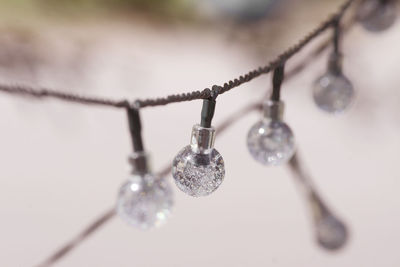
(331, 233)
(199, 169)
(333, 92)
(145, 201)
(377, 15)
(271, 141)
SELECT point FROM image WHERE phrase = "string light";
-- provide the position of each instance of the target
(199, 168)
(377, 15)
(270, 141)
(333, 91)
(145, 200)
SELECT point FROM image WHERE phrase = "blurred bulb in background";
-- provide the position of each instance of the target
(333, 92)
(145, 200)
(331, 233)
(270, 141)
(377, 15)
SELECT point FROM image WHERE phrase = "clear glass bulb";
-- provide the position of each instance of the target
(271, 141)
(331, 233)
(333, 92)
(199, 169)
(145, 201)
(377, 15)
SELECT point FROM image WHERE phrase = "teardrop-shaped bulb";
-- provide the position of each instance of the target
(331, 233)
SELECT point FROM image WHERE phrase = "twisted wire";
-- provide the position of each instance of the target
(49, 93)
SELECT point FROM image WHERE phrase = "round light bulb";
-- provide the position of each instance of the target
(271, 141)
(333, 92)
(331, 233)
(377, 15)
(199, 169)
(145, 200)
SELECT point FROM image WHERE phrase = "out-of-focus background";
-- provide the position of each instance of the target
(62, 164)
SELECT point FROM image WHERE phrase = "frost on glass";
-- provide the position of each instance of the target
(331, 233)
(377, 15)
(333, 93)
(271, 142)
(145, 201)
(198, 174)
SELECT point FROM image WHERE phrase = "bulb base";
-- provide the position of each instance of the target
(139, 162)
(202, 140)
(273, 110)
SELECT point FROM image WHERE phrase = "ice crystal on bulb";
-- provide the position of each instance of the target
(377, 15)
(198, 174)
(333, 93)
(145, 201)
(271, 142)
(331, 232)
